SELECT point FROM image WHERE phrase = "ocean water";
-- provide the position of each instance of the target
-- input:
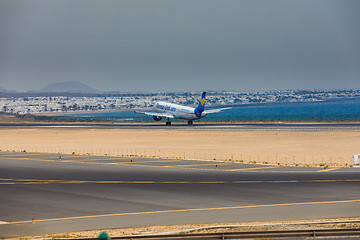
(341, 110)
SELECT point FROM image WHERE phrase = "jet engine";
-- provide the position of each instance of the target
(157, 118)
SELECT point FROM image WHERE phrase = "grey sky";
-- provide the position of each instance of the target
(180, 45)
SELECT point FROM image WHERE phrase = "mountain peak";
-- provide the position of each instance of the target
(69, 87)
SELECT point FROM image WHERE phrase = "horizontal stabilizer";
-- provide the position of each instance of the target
(209, 111)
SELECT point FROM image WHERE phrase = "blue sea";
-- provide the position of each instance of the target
(340, 110)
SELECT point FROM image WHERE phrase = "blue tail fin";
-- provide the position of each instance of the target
(201, 107)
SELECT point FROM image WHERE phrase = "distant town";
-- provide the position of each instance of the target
(66, 103)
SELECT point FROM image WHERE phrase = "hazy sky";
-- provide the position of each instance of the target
(153, 45)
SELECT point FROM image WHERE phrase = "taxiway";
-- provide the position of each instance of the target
(75, 193)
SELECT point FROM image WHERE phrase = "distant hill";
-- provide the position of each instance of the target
(3, 89)
(68, 87)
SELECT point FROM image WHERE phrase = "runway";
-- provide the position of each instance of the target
(197, 125)
(74, 192)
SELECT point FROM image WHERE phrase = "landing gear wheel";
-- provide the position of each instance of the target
(190, 122)
(168, 123)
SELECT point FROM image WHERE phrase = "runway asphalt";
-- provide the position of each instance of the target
(95, 192)
(197, 125)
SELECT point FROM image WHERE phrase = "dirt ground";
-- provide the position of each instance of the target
(339, 223)
(285, 147)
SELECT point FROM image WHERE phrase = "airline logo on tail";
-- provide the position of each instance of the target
(202, 101)
(201, 106)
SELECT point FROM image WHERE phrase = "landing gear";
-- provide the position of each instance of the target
(168, 123)
(190, 122)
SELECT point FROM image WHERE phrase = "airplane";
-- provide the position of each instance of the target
(175, 111)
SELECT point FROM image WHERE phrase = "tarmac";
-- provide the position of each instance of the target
(52, 193)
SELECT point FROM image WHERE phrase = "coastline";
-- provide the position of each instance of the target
(261, 104)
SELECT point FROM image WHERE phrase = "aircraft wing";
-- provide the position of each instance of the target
(165, 115)
(216, 110)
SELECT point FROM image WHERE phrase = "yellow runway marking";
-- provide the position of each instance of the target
(247, 169)
(185, 210)
(5, 181)
(189, 168)
(106, 159)
(66, 161)
(155, 161)
(122, 163)
(330, 169)
(24, 154)
(205, 164)
(37, 159)
(144, 165)
(63, 158)
(126, 162)
(83, 159)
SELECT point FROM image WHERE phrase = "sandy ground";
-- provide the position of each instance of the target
(339, 223)
(333, 148)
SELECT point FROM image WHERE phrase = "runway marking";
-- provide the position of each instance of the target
(63, 158)
(81, 160)
(135, 163)
(106, 159)
(36, 159)
(205, 164)
(154, 161)
(9, 181)
(183, 210)
(330, 169)
(245, 169)
(125, 163)
(6, 154)
(185, 166)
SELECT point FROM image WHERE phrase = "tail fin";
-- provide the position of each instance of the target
(201, 107)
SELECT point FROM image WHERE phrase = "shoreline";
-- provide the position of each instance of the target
(28, 118)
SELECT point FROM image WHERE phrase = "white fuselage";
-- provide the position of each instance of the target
(177, 110)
